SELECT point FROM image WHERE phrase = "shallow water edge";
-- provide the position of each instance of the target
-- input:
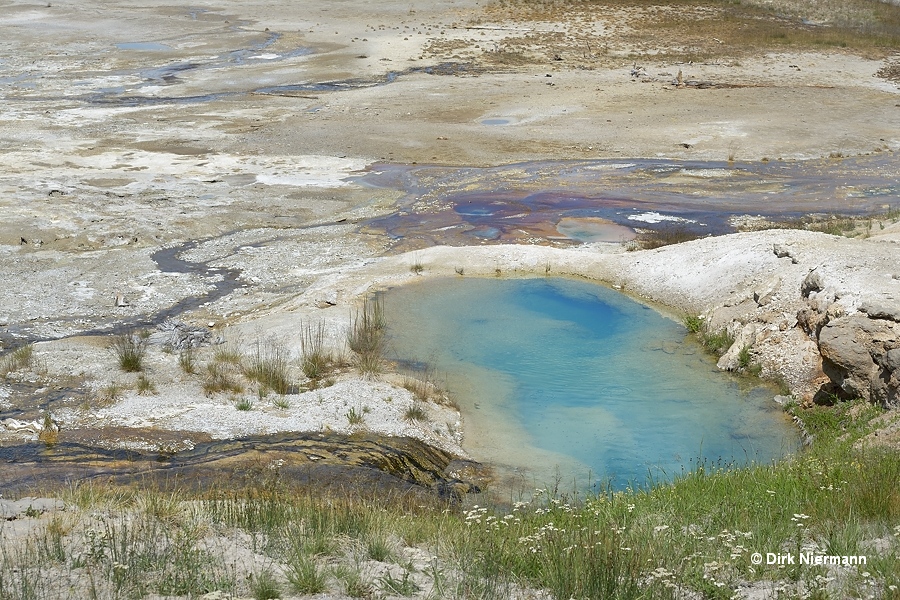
(563, 379)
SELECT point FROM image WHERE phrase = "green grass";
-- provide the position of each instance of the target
(693, 323)
(416, 412)
(714, 341)
(145, 386)
(397, 586)
(305, 576)
(264, 586)
(222, 377)
(666, 235)
(268, 365)
(229, 352)
(315, 359)
(717, 342)
(19, 358)
(187, 361)
(366, 336)
(129, 348)
(355, 417)
(353, 581)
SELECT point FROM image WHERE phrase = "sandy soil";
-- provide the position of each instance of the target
(236, 128)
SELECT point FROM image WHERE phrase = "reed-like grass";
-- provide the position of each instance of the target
(366, 336)
(19, 358)
(129, 347)
(222, 377)
(315, 359)
(187, 361)
(268, 365)
(144, 385)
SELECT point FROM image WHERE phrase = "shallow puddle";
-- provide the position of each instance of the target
(566, 379)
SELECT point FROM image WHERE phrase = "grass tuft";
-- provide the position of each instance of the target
(222, 377)
(398, 586)
(416, 412)
(305, 575)
(693, 323)
(20, 358)
(366, 337)
(315, 359)
(187, 362)
(268, 366)
(130, 348)
(355, 417)
(144, 386)
(353, 581)
(265, 587)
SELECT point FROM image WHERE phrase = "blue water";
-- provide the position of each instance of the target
(566, 379)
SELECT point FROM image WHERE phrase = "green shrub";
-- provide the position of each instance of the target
(693, 323)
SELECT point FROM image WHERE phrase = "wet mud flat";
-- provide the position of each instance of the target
(572, 202)
(319, 462)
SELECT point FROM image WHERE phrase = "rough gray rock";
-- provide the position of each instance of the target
(814, 282)
(27, 507)
(785, 251)
(877, 310)
(892, 359)
(858, 357)
(744, 337)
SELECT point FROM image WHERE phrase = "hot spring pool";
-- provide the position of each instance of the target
(566, 381)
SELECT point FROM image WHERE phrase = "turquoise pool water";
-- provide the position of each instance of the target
(566, 381)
